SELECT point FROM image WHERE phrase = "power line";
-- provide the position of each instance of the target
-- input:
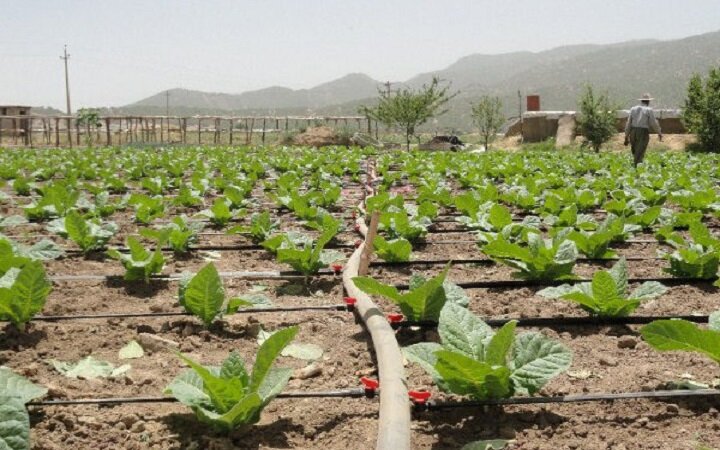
(65, 58)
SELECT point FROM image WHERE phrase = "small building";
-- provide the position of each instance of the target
(14, 123)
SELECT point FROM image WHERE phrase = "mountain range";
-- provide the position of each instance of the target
(625, 70)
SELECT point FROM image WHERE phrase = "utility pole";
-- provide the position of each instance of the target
(167, 103)
(520, 115)
(65, 58)
(387, 87)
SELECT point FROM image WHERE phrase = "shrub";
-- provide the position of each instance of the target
(701, 114)
(597, 118)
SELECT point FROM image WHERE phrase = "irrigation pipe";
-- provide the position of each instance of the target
(394, 417)
(678, 393)
(342, 393)
(267, 275)
(516, 284)
(44, 318)
(559, 322)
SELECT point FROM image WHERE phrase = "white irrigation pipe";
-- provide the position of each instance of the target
(394, 418)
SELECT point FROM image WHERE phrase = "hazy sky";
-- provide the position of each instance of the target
(122, 51)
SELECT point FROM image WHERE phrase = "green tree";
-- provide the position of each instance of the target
(407, 109)
(487, 115)
(701, 114)
(597, 118)
(90, 118)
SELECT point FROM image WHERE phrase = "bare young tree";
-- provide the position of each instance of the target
(487, 115)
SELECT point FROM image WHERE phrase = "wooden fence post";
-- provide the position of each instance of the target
(108, 133)
(263, 132)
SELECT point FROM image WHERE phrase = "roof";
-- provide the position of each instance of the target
(15, 106)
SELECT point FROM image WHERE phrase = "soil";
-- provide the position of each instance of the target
(606, 358)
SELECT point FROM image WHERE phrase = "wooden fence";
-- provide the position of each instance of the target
(68, 131)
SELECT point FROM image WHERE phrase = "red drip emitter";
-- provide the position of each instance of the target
(419, 397)
(395, 318)
(350, 302)
(337, 268)
(371, 386)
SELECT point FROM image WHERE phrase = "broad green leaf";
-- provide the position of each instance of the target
(423, 354)
(204, 295)
(14, 424)
(619, 273)
(17, 386)
(536, 359)
(466, 376)
(132, 350)
(500, 344)
(268, 352)
(649, 289)
(223, 393)
(667, 335)
(371, 287)
(234, 367)
(463, 332)
(27, 295)
(88, 368)
(604, 288)
(308, 352)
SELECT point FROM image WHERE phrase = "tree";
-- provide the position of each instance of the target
(701, 114)
(407, 109)
(90, 118)
(597, 119)
(487, 115)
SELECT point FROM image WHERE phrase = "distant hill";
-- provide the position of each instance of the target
(347, 88)
(625, 70)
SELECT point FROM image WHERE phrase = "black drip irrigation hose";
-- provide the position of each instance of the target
(341, 393)
(44, 318)
(679, 393)
(468, 241)
(559, 322)
(488, 261)
(517, 284)
(267, 275)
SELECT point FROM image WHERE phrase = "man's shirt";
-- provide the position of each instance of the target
(642, 116)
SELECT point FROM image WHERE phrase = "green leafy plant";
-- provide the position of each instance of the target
(608, 294)
(227, 397)
(473, 360)
(400, 224)
(220, 213)
(140, 263)
(308, 259)
(23, 292)
(203, 295)
(261, 227)
(88, 235)
(147, 208)
(395, 250)
(425, 298)
(180, 234)
(683, 335)
(539, 260)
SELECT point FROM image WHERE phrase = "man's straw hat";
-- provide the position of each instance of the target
(646, 97)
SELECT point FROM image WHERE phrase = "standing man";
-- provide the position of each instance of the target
(637, 130)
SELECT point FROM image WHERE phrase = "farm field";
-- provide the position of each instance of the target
(206, 251)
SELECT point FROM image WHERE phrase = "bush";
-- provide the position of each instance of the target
(597, 118)
(701, 114)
